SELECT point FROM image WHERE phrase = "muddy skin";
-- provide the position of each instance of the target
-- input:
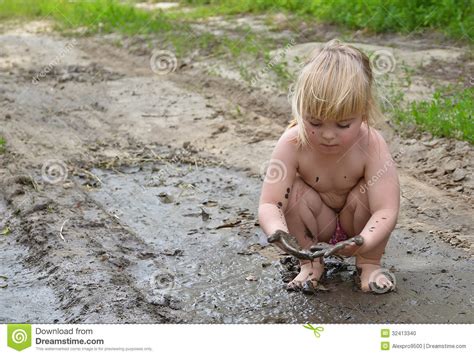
(373, 286)
(358, 240)
(290, 245)
(376, 289)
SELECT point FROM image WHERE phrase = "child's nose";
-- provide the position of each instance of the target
(328, 135)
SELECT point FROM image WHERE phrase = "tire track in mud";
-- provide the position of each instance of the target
(96, 274)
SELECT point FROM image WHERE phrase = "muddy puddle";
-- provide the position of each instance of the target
(20, 286)
(209, 258)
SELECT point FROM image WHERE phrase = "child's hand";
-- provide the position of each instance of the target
(289, 244)
(346, 248)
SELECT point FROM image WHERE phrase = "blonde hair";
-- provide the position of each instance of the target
(335, 82)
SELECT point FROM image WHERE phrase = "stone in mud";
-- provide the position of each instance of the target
(165, 198)
(435, 154)
(173, 252)
(288, 276)
(450, 165)
(459, 174)
(285, 260)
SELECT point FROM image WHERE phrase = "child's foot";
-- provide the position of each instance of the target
(310, 271)
(375, 279)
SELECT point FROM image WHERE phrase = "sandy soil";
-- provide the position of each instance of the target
(156, 219)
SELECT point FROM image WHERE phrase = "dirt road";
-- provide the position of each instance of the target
(132, 197)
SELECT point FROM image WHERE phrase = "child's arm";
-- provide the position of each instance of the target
(383, 190)
(277, 185)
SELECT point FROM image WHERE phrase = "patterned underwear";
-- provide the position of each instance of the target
(339, 235)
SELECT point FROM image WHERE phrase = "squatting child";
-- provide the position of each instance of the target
(331, 175)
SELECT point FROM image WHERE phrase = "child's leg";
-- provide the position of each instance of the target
(310, 221)
(354, 216)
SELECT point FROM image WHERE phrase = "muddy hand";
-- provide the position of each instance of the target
(290, 245)
(358, 240)
(319, 249)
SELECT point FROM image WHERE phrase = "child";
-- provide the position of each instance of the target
(335, 177)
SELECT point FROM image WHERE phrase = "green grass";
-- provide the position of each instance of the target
(2, 144)
(455, 18)
(97, 15)
(106, 16)
(448, 114)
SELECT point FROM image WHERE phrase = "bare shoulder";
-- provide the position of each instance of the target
(290, 135)
(374, 145)
(286, 148)
(288, 140)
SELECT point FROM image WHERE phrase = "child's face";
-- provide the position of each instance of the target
(333, 137)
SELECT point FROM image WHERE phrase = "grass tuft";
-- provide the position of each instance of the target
(448, 114)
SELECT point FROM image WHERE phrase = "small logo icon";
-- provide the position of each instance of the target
(54, 171)
(385, 346)
(385, 332)
(316, 330)
(19, 336)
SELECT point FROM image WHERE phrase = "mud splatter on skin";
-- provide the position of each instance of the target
(280, 204)
(282, 218)
(287, 193)
(317, 179)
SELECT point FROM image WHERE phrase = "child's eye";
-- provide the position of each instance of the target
(343, 126)
(315, 124)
